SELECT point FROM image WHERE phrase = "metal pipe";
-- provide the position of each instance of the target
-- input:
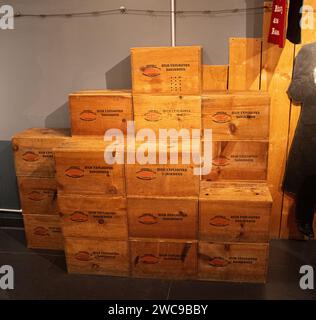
(11, 210)
(173, 24)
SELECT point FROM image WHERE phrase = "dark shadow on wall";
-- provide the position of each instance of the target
(9, 198)
(254, 19)
(119, 77)
(59, 118)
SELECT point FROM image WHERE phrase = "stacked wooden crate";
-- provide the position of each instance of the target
(35, 169)
(91, 193)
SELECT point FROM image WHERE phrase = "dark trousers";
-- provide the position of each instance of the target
(306, 200)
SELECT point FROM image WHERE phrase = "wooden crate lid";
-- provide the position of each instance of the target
(163, 198)
(43, 133)
(167, 241)
(88, 93)
(235, 191)
(146, 49)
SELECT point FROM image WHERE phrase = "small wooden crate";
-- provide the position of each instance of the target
(234, 262)
(234, 212)
(98, 216)
(43, 232)
(38, 195)
(33, 151)
(95, 256)
(94, 112)
(167, 70)
(81, 168)
(176, 259)
(236, 116)
(167, 112)
(162, 217)
(239, 160)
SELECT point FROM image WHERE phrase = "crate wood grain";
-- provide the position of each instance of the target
(163, 217)
(167, 70)
(234, 262)
(95, 112)
(236, 116)
(95, 256)
(234, 212)
(38, 195)
(244, 63)
(43, 232)
(167, 112)
(238, 160)
(164, 258)
(33, 151)
(93, 216)
(81, 168)
(215, 78)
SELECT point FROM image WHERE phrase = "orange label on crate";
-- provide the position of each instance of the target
(36, 196)
(146, 174)
(83, 256)
(30, 156)
(147, 218)
(150, 71)
(149, 259)
(79, 217)
(74, 172)
(221, 117)
(88, 115)
(220, 161)
(153, 116)
(218, 262)
(41, 231)
(219, 221)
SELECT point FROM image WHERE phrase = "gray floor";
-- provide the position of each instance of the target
(42, 275)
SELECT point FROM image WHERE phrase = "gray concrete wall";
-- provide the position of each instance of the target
(43, 59)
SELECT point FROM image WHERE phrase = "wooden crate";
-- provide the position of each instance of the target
(81, 168)
(157, 217)
(95, 256)
(94, 112)
(93, 216)
(38, 195)
(235, 262)
(167, 70)
(33, 151)
(167, 112)
(236, 116)
(163, 179)
(163, 258)
(43, 232)
(234, 212)
(215, 78)
(239, 160)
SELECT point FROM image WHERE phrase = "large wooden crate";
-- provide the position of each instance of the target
(238, 160)
(234, 212)
(167, 70)
(43, 232)
(95, 256)
(176, 259)
(93, 216)
(167, 112)
(167, 179)
(33, 151)
(235, 262)
(236, 116)
(81, 168)
(94, 112)
(162, 217)
(38, 195)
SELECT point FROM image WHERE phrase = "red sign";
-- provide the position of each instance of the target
(278, 23)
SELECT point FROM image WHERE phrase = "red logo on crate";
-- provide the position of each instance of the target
(153, 116)
(36, 196)
(149, 259)
(218, 262)
(30, 156)
(146, 174)
(88, 115)
(41, 231)
(79, 216)
(221, 117)
(150, 71)
(219, 221)
(220, 161)
(147, 218)
(74, 172)
(83, 256)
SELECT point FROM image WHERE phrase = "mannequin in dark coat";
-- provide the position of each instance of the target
(300, 175)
